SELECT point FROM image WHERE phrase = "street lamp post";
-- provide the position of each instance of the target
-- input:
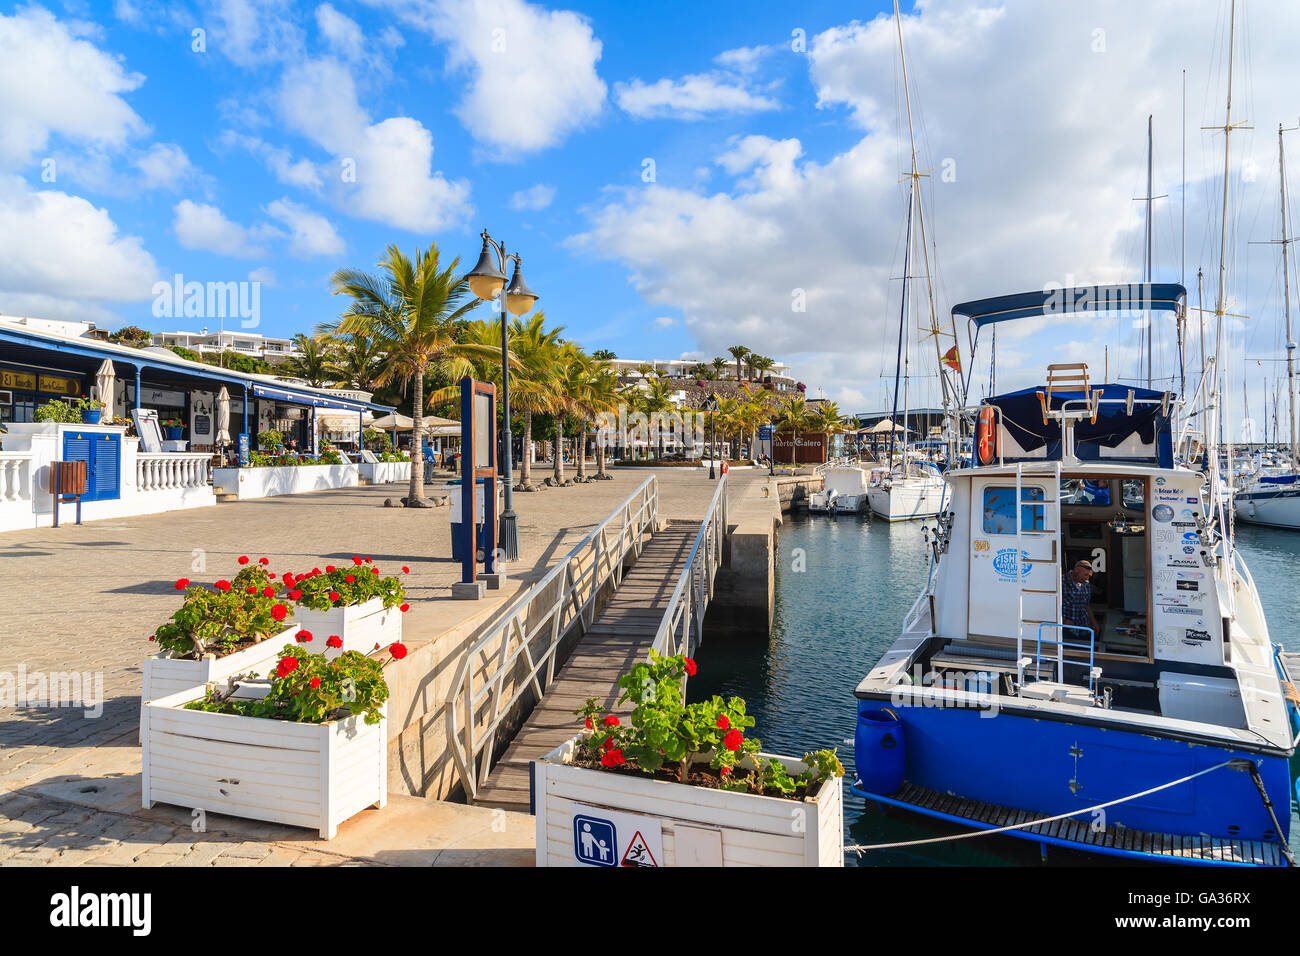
(487, 280)
(711, 405)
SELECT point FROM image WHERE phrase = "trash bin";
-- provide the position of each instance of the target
(880, 749)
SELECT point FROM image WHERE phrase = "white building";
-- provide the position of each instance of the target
(263, 347)
(681, 368)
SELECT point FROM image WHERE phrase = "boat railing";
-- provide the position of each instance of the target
(682, 627)
(1022, 661)
(516, 652)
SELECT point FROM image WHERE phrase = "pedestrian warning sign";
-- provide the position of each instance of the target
(608, 838)
(638, 853)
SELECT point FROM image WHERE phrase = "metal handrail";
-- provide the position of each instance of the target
(694, 588)
(1061, 645)
(566, 594)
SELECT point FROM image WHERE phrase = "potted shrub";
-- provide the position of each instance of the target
(59, 412)
(701, 789)
(172, 429)
(353, 602)
(91, 409)
(234, 627)
(305, 747)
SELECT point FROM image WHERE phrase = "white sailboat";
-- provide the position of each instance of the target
(1272, 495)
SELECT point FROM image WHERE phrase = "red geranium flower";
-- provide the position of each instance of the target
(263, 561)
(404, 608)
(315, 682)
(182, 584)
(368, 561)
(611, 721)
(329, 569)
(152, 637)
(725, 771)
(405, 569)
(689, 663)
(288, 579)
(733, 739)
(279, 611)
(222, 585)
(250, 590)
(304, 637)
(315, 571)
(268, 592)
(243, 559)
(333, 641)
(295, 594)
(723, 722)
(374, 570)
(609, 742)
(588, 719)
(286, 666)
(334, 595)
(398, 651)
(271, 575)
(613, 758)
(356, 559)
(350, 578)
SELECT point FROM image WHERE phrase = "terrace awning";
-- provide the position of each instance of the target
(1134, 297)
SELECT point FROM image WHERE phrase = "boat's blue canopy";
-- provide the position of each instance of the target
(1022, 414)
(1136, 297)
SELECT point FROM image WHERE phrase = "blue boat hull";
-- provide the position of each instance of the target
(1052, 766)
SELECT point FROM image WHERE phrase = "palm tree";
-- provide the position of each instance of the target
(761, 364)
(315, 364)
(570, 374)
(738, 352)
(657, 401)
(409, 310)
(718, 364)
(794, 417)
(532, 387)
(603, 396)
(357, 360)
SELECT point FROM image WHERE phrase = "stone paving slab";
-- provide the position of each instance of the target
(83, 600)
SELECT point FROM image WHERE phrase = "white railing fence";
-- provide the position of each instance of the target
(15, 476)
(517, 652)
(682, 626)
(167, 471)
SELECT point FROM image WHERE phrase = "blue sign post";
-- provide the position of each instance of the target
(478, 417)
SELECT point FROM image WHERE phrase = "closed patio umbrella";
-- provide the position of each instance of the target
(105, 380)
(223, 417)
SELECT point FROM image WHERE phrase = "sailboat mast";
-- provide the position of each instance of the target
(1286, 298)
(1149, 329)
(902, 326)
(1221, 303)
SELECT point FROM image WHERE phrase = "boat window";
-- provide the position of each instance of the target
(1085, 491)
(1134, 494)
(1000, 514)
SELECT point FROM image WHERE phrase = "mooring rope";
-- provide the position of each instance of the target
(859, 848)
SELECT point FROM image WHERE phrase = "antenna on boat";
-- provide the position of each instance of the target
(1146, 268)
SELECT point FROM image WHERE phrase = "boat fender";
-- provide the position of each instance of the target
(987, 444)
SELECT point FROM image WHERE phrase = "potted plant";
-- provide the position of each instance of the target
(172, 429)
(353, 602)
(305, 747)
(58, 411)
(234, 627)
(700, 788)
(91, 409)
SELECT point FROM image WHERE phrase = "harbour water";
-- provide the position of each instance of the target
(843, 587)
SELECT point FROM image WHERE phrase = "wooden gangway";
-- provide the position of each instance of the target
(635, 583)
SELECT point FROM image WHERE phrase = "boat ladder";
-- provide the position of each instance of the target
(1038, 510)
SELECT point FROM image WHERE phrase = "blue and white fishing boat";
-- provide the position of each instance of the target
(1143, 713)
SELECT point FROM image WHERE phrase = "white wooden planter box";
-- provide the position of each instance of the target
(164, 675)
(269, 482)
(385, 472)
(754, 830)
(361, 626)
(308, 775)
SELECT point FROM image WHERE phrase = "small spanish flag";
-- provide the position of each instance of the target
(952, 359)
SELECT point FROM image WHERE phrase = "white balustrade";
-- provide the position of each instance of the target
(15, 476)
(167, 471)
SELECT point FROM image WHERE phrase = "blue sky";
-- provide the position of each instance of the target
(127, 155)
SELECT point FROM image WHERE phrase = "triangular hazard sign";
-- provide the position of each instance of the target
(638, 853)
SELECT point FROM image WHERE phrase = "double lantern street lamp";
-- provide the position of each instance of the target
(487, 280)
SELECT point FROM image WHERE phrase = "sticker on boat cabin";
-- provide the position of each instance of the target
(607, 838)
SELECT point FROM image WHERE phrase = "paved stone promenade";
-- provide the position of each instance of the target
(85, 599)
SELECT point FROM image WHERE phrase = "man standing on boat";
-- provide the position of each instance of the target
(1076, 597)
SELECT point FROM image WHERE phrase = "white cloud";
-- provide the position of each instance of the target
(532, 71)
(300, 172)
(264, 275)
(204, 227)
(253, 33)
(312, 234)
(742, 59)
(54, 82)
(664, 322)
(340, 31)
(164, 166)
(384, 169)
(1044, 143)
(691, 97)
(59, 252)
(533, 198)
